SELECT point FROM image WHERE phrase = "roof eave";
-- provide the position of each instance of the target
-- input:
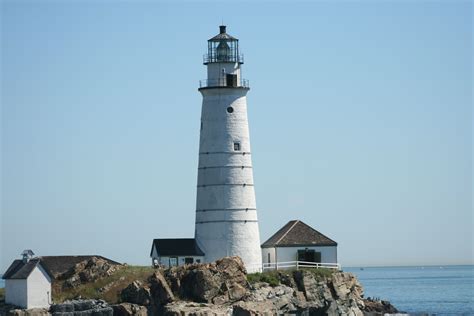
(298, 245)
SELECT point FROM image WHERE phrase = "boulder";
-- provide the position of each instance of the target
(88, 271)
(378, 307)
(200, 285)
(29, 312)
(232, 269)
(160, 290)
(195, 309)
(316, 292)
(254, 308)
(136, 293)
(128, 309)
(81, 308)
(236, 291)
(220, 281)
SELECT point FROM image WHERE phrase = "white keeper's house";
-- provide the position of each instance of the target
(297, 241)
(28, 283)
(175, 251)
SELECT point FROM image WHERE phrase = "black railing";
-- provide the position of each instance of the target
(223, 59)
(222, 82)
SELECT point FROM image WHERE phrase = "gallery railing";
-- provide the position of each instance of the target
(223, 82)
(299, 264)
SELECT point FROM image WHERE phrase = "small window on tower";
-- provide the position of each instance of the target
(236, 146)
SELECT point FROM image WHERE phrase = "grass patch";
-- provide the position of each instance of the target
(320, 273)
(113, 285)
(273, 277)
(270, 277)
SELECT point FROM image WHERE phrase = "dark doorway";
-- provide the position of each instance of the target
(231, 80)
(309, 256)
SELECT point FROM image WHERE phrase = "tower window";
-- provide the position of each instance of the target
(236, 146)
(230, 109)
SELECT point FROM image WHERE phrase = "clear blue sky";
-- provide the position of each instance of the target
(360, 117)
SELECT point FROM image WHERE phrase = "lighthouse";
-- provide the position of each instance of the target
(226, 211)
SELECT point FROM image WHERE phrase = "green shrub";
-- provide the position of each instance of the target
(2, 295)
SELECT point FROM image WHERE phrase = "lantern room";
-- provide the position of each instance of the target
(223, 48)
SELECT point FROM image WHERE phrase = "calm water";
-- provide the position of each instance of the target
(445, 290)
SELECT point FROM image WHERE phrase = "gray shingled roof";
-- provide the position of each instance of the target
(223, 35)
(21, 270)
(297, 233)
(53, 265)
(176, 247)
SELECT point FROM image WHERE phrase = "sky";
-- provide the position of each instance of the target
(360, 118)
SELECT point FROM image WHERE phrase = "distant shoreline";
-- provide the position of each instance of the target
(409, 266)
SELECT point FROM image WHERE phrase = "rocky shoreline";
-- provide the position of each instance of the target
(222, 288)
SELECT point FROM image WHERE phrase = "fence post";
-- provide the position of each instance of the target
(297, 265)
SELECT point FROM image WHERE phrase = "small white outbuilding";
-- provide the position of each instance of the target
(171, 252)
(28, 284)
(297, 241)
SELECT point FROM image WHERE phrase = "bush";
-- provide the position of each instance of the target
(2, 295)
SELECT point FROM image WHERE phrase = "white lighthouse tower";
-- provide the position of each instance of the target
(226, 212)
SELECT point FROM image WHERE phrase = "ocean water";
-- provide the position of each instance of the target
(440, 290)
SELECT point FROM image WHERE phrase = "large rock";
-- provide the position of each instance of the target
(219, 282)
(160, 289)
(316, 292)
(195, 309)
(200, 285)
(378, 307)
(29, 312)
(136, 293)
(88, 271)
(127, 309)
(254, 308)
(81, 308)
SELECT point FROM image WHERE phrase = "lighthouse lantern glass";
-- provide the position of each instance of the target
(223, 51)
(223, 48)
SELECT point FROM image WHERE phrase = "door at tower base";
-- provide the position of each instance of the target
(297, 241)
(170, 252)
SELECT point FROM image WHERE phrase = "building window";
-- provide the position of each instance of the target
(198, 260)
(309, 255)
(268, 255)
(188, 260)
(230, 109)
(236, 146)
(173, 261)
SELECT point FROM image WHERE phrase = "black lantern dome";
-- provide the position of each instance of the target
(223, 48)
